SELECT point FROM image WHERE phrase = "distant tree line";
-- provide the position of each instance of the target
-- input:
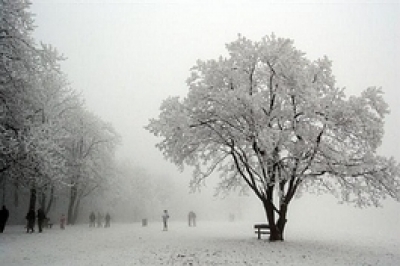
(134, 194)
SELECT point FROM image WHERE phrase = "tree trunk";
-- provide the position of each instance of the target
(276, 233)
(51, 197)
(32, 198)
(42, 197)
(76, 209)
(282, 219)
(16, 195)
(71, 204)
(3, 200)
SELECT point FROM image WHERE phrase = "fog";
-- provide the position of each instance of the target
(126, 57)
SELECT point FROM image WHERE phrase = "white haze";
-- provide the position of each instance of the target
(126, 57)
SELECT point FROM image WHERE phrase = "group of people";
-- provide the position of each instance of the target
(31, 217)
(92, 220)
(42, 220)
(4, 213)
(191, 219)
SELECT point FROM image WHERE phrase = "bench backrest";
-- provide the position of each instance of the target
(266, 226)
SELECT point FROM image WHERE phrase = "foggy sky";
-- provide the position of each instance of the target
(127, 56)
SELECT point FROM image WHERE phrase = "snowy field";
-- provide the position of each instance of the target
(209, 243)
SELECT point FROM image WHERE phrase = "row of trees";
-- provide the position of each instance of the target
(50, 142)
(134, 194)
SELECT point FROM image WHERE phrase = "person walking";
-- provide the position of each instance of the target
(165, 218)
(4, 213)
(41, 217)
(193, 223)
(62, 221)
(92, 219)
(107, 219)
(30, 217)
(192, 218)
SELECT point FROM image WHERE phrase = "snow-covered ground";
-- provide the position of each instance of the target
(209, 243)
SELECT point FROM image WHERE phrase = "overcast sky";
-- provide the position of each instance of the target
(127, 56)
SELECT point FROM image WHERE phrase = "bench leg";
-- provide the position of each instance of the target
(259, 233)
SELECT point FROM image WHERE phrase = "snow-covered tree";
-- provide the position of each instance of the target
(48, 132)
(269, 118)
(48, 139)
(17, 56)
(25, 70)
(134, 194)
(34, 98)
(90, 157)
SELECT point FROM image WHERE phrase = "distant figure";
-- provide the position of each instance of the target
(47, 223)
(92, 219)
(99, 220)
(62, 221)
(192, 219)
(107, 219)
(165, 218)
(4, 213)
(40, 218)
(30, 217)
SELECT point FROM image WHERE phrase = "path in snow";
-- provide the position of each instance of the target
(207, 244)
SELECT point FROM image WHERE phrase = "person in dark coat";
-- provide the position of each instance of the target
(41, 216)
(165, 218)
(192, 218)
(63, 219)
(30, 216)
(4, 213)
(92, 219)
(107, 219)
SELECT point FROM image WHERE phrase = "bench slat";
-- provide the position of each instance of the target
(262, 229)
(261, 226)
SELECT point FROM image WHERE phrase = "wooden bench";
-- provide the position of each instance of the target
(261, 229)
